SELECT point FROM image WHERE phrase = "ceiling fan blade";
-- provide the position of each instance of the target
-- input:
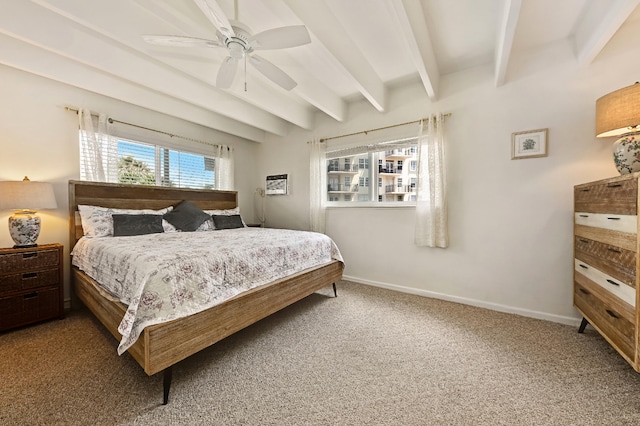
(281, 38)
(226, 73)
(214, 13)
(272, 72)
(180, 41)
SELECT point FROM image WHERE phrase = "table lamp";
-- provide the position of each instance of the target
(25, 197)
(618, 114)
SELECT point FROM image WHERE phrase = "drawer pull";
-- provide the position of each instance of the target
(30, 295)
(582, 240)
(584, 215)
(29, 275)
(613, 218)
(583, 266)
(614, 250)
(583, 291)
(614, 185)
(585, 190)
(613, 282)
(613, 314)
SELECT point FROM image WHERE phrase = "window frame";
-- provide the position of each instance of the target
(376, 192)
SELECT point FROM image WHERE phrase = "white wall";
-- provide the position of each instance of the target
(510, 221)
(39, 138)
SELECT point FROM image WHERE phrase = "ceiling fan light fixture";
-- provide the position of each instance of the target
(236, 50)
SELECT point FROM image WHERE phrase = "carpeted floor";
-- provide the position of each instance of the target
(369, 357)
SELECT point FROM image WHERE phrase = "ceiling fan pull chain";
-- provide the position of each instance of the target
(245, 73)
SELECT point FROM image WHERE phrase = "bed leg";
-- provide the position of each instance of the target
(335, 291)
(166, 384)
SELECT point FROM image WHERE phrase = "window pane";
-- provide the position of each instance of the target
(348, 176)
(185, 170)
(136, 163)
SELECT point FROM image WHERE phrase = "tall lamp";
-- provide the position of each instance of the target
(618, 114)
(26, 197)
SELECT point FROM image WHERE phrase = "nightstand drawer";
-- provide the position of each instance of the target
(29, 307)
(29, 260)
(611, 323)
(615, 197)
(29, 280)
(612, 260)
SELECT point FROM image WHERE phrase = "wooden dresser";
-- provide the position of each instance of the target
(30, 285)
(606, 261)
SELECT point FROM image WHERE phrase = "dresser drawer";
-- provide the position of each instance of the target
(612, 260)
(608, 283)
(611, 323)
(29, 307)
(614, 222)
(616, 196)
(29, 280)
(29, 260)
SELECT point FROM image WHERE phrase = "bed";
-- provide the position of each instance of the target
(160, 346)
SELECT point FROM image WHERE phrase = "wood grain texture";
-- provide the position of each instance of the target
(617, 195)
(614, 253)
(618, 330)
(162, 345)
(607, 236)
(613, 260)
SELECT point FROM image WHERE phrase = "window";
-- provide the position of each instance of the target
(391, 175)
(134, 162)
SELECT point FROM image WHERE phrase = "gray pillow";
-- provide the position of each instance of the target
(136, 224)
(186, 216)
(227, 222)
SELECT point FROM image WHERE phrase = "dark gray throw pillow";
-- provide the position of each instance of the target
(136, 224)
(186, 216)
(227, 222)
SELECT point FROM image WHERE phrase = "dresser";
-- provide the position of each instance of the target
(31, 287)
(606, 261)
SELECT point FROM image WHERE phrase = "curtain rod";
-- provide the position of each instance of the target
(379, 128)
(113, 120)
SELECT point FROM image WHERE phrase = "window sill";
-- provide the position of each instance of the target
(361, 205)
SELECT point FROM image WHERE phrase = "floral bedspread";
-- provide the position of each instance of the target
(161, 277)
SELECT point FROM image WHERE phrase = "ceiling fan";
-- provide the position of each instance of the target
(241, 44)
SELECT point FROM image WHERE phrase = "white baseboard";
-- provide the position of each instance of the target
(574, 321)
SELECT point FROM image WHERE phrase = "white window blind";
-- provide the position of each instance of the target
(133, 162)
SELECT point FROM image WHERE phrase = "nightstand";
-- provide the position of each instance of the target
(30, 285)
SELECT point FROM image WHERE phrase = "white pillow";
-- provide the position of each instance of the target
(98, 221)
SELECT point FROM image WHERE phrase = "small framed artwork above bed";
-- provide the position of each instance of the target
(172, 271)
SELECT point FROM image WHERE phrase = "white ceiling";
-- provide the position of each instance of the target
(360, 49)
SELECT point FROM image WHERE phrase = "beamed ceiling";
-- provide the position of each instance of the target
(359, 50)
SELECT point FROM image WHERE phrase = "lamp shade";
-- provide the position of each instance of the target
(618, 112)
(26, 195)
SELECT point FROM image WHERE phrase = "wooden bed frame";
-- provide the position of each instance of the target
(161, 346)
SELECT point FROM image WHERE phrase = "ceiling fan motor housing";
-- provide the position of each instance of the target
(238, 44)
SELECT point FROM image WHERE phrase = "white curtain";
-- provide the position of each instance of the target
(224, 165)
(317, 184)
(431, 228)
(94, 146)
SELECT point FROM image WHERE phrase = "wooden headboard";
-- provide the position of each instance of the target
(138, 197)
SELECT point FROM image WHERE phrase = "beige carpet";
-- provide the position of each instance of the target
(369, 357)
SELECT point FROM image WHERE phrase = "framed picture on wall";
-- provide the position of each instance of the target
(529, 144)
